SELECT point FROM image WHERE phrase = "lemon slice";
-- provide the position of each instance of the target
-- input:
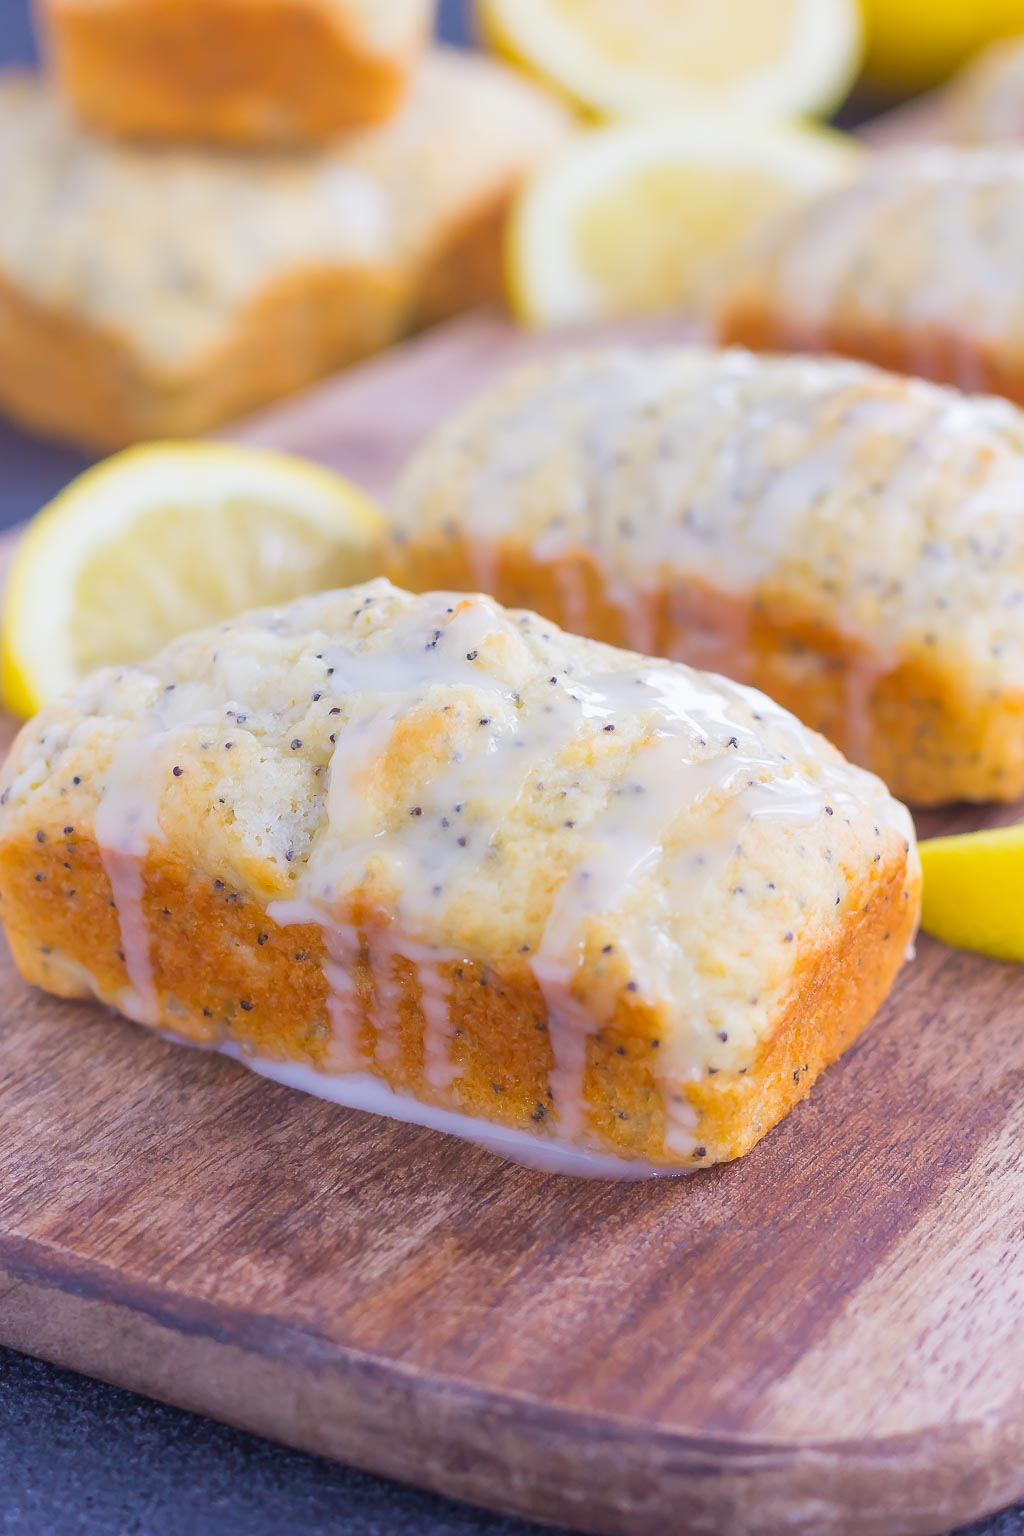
(166, 538)
(775, 58)
(641, 217)
(974, 891)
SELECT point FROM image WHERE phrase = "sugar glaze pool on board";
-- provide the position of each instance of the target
(371, 1095)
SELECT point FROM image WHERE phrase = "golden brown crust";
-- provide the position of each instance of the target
(65, 378)
(173, 290)
(225, 71)
(337, 833)
(838, 994)
(942, 354)
(263, 985)
(881, 718)
(466, 269)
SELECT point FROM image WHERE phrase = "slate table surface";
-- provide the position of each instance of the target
(78, 1458)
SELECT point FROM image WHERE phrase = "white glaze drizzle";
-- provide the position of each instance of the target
(435, 1001)
(345, 1053)
(629, 843)
(345, 1006)
(926, 235)
(126, 824)
(621, 844)
(885, 506)
(382, 687)
(690, 739)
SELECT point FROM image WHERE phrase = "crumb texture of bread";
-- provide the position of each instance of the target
(985, 103)
(245, 73)
(516, 874)
(916, 265)
(847, 540)
(162, 291)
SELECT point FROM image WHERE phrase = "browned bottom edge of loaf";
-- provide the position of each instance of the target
(936, 352)
(465, 269)
(67, 379)
(297, 72)
(930, 741)
(224, 969)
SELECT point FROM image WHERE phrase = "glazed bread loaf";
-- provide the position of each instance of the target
(611, 903)
(154, 293)
(985, 103)
(918, 265)
(847, 540)
(251, 73)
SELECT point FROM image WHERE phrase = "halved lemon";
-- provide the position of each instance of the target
(775, 58)
(974, 891)
(641, 217)
(166, 538)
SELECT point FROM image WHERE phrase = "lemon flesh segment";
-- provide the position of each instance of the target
(163, 539)
(974, 891)
(644, 217)
(775, 58)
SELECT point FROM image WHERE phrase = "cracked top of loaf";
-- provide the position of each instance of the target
(499, 788)
(891, 507)
(164, 246)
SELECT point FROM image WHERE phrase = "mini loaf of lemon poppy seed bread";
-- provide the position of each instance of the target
(249, 73)
(158, 292)
(917, 265)
(985, 103)
(614, 904)
(847, 540)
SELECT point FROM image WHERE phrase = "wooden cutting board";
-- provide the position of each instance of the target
(822, 1338)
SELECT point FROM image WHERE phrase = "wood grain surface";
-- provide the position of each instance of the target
(822, 1338)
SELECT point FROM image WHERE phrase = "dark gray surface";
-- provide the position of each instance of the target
(78, 1458)
(81, 1459)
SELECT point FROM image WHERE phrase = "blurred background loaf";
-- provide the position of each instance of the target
(614, 171)
(283, 105)
(228, 71)
(154, 292)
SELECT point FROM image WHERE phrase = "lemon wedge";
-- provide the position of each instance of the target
(774, 58)
(165, 538)
(974, 891)
(641, 217)
(911, 46)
